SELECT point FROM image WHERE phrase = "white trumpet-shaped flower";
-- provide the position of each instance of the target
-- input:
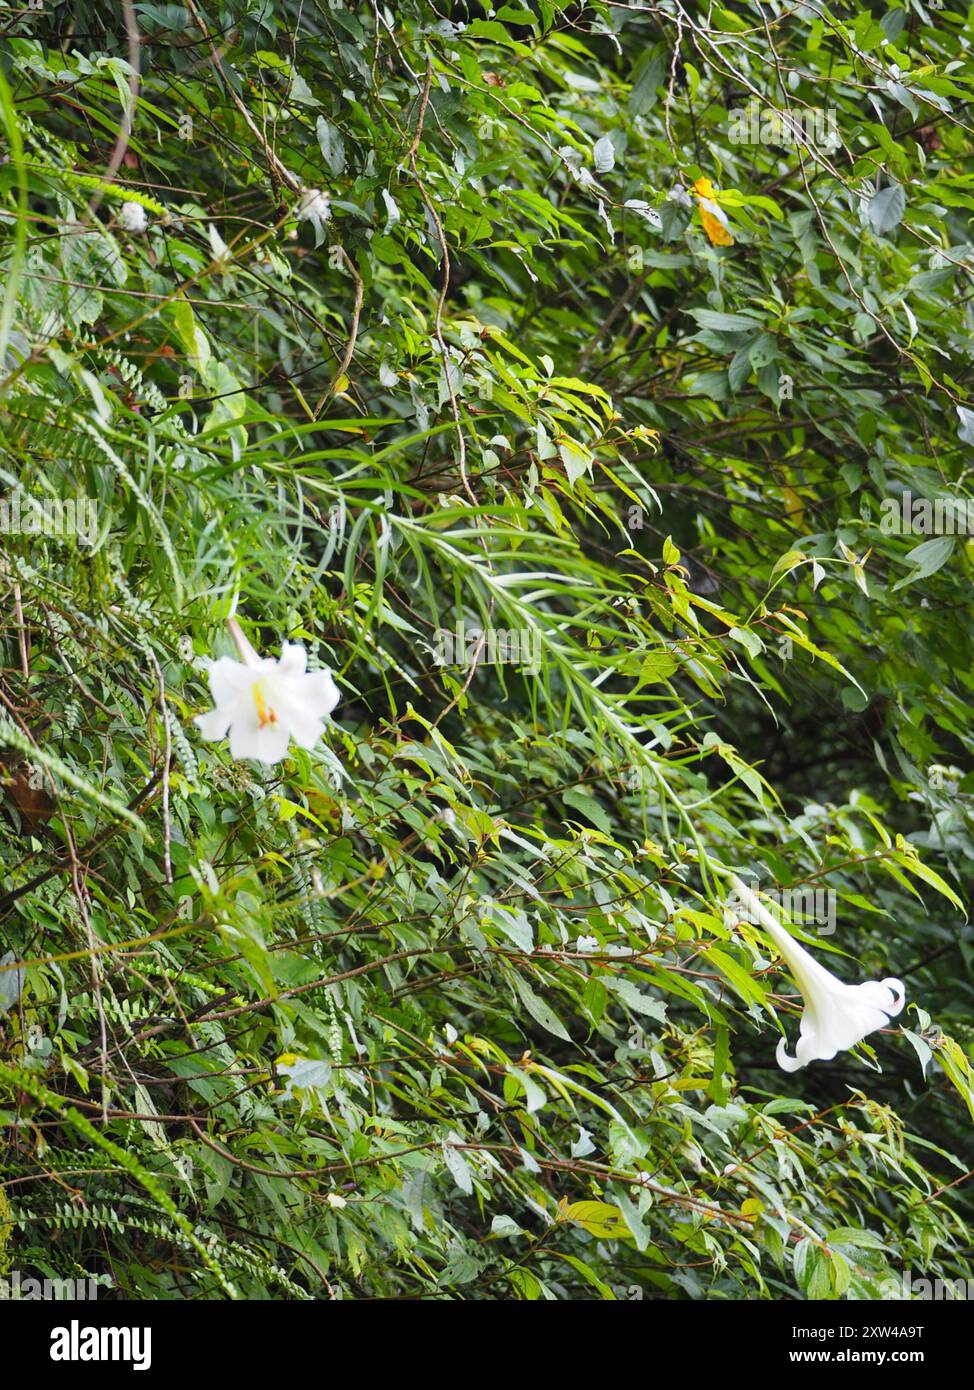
(837, 1015)
(132, 217)
(265, 702)
(314, 206)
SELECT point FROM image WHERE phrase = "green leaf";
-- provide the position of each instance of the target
(539, 1010)
(927, 558)
(635, 999)
(598, 1218)
(724, 323)
(886, 209)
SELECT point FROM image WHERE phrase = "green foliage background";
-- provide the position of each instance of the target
(449, 1007)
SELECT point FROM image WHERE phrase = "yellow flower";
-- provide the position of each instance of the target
(714, 222)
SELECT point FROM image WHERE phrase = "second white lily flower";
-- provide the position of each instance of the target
(837, 1015)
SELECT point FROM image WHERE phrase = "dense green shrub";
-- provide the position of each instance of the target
(368, 325)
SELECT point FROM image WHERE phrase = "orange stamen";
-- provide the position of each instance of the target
(265, 714)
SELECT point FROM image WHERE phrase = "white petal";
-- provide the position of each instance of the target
(267, 743)
(133, 217)
(294, 660)
(323, 693)
(297, 713)
(301, 697)
(272, 743)
(244, 729)
(785, 1062)
(306, 731)
(897, 990)
(838, 1016)
(228, 679)
(214, 724)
